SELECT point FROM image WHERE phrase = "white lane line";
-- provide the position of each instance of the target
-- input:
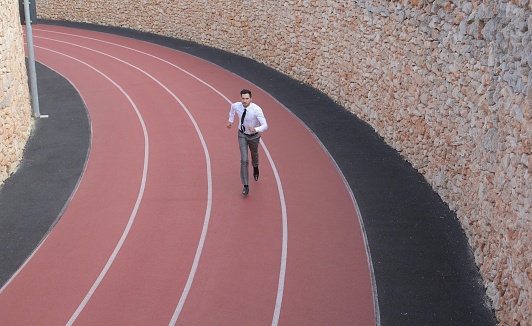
(359, 218)
(208, 164)
(284, 253)
(139, 196)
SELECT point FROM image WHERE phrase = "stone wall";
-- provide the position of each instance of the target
(446, 83)
(15, 110)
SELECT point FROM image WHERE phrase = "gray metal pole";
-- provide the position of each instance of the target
(31, 59)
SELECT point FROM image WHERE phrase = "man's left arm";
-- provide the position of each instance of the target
(262, 121)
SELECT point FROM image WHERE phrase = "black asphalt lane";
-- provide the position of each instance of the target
(34, 197)
(424, 267)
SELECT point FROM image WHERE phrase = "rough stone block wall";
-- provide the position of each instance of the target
(15, 110)
(446, 83)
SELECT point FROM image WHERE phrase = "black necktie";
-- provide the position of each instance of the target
(242, 121)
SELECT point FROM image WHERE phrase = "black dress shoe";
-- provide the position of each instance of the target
(245, 191)
(256, 173)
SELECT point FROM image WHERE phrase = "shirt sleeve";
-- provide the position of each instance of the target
(232, 113)
(262, 120)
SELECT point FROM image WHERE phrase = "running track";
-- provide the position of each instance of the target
(157, 232)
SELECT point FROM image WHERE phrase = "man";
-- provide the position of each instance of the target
(251, 123)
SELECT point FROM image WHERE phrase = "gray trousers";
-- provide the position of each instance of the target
(245, 141)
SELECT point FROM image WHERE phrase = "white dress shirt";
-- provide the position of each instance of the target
(254, 117)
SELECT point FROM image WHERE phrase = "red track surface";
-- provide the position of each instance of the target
(162, 178)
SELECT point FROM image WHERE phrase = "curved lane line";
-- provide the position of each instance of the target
(359, 215)
(209, 182)
(282, 273)
(139, 197)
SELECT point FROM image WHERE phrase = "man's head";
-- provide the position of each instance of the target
(245, 97)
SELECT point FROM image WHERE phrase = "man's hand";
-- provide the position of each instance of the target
(229, 124)
(251, 129)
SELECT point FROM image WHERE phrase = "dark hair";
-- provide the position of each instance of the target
(245, 91)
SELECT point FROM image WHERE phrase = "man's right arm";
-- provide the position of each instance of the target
(231, 116)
